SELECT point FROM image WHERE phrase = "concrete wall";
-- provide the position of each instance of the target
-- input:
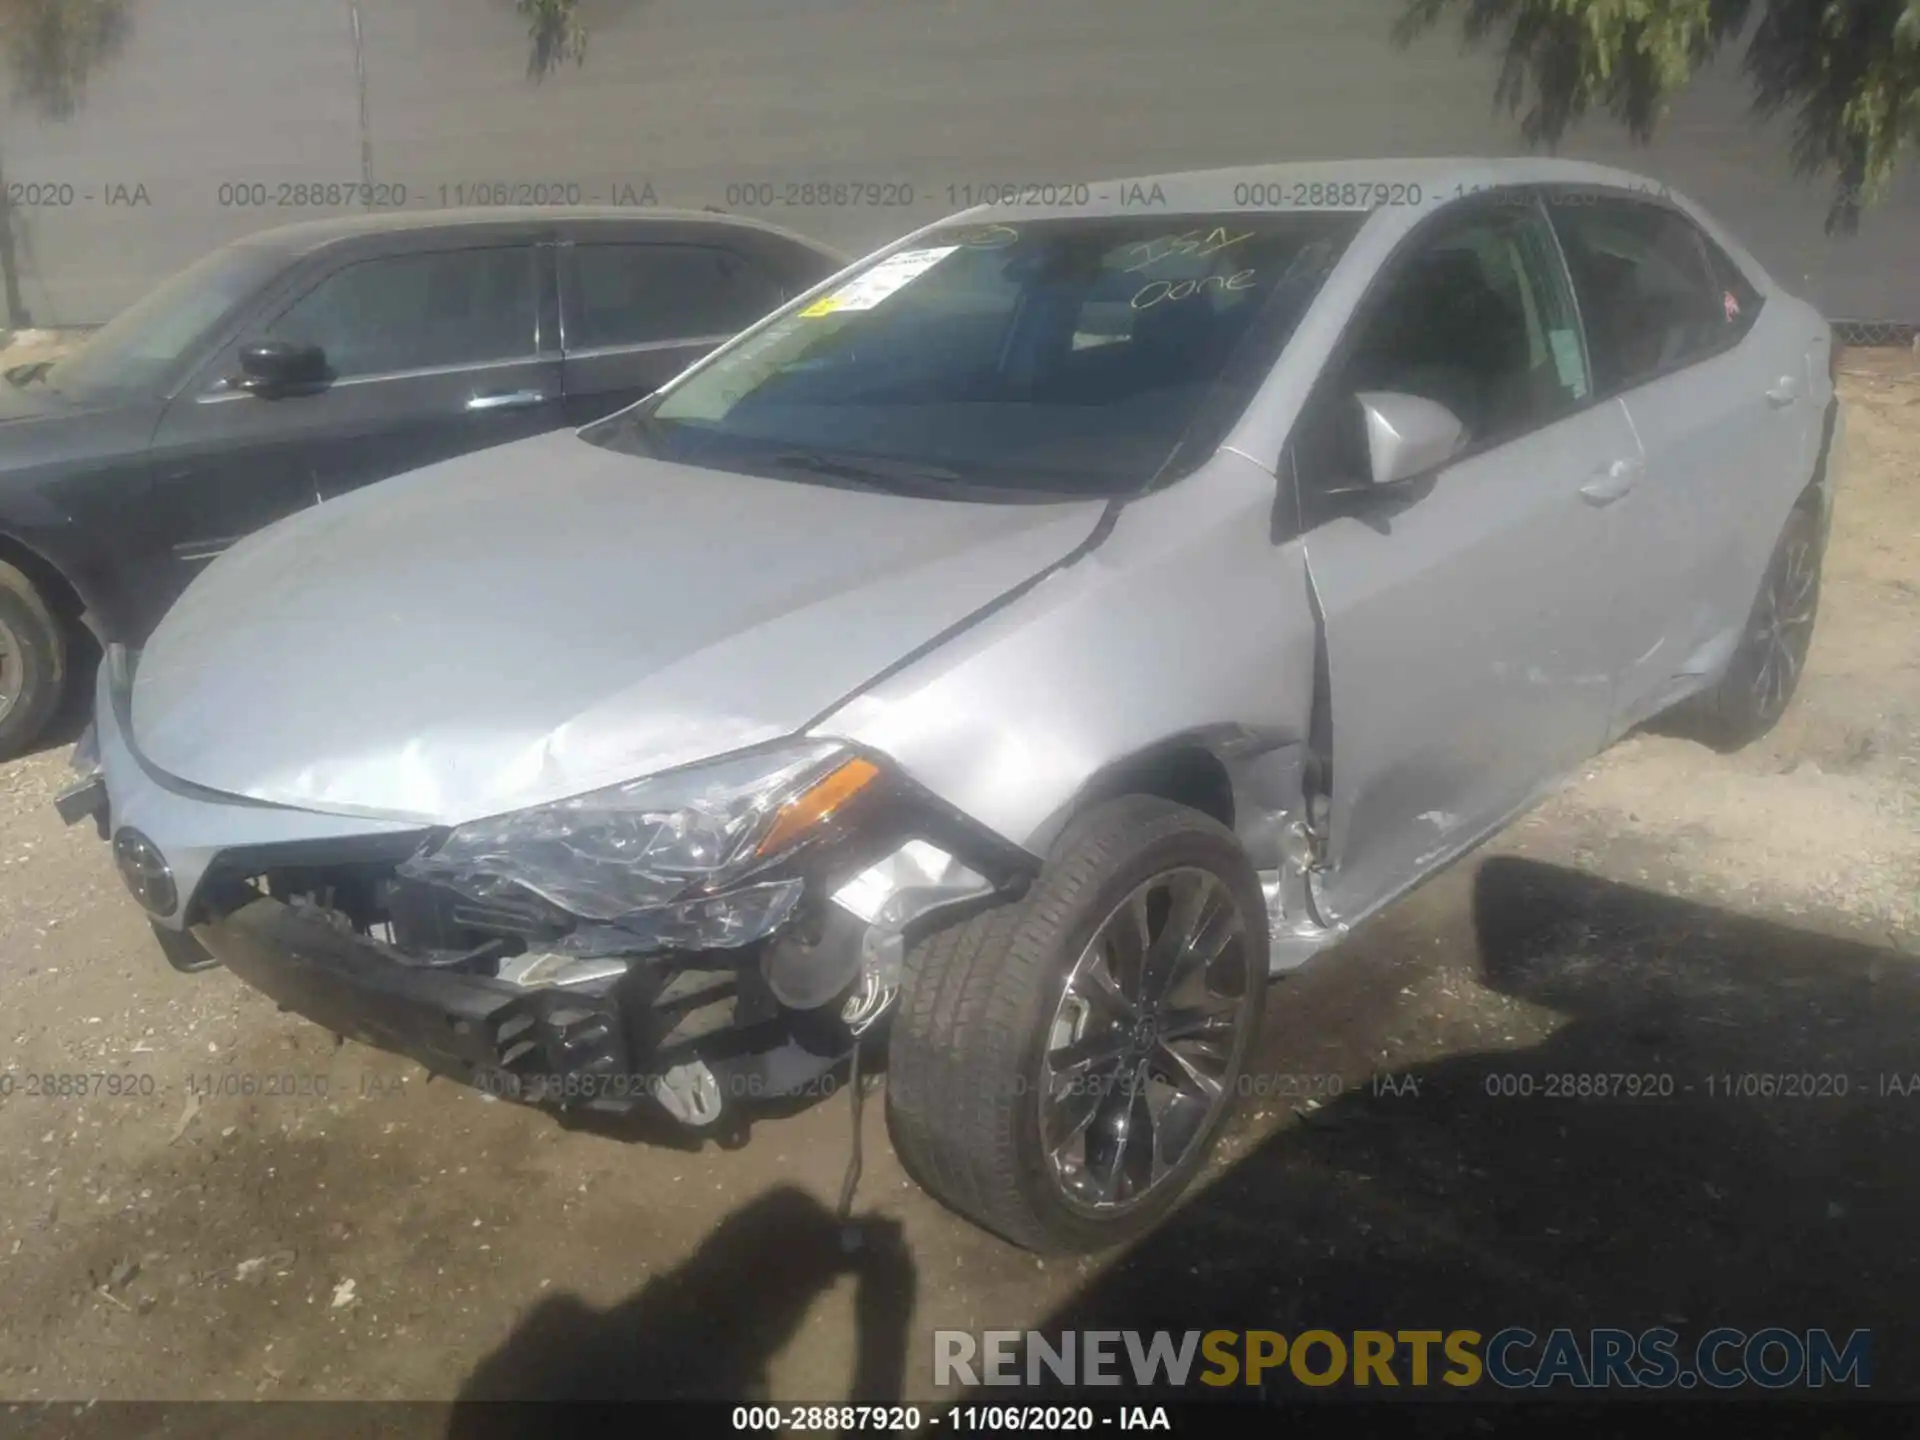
(692, 96)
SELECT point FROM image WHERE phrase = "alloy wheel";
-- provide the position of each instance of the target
(1146, 1041)
(1783, 627)
(13, 677)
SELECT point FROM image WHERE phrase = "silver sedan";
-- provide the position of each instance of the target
(1013, 652)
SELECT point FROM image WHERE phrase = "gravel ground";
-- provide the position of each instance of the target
(1672, 914)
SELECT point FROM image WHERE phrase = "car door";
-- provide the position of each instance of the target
(1464, 614)
(430, 352)
(1721, 405)
(635, 314)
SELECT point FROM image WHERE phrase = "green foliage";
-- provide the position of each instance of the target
(1847, 71)
(557, 32)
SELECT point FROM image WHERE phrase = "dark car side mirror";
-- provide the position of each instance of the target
(277, 367)
(1407, 435)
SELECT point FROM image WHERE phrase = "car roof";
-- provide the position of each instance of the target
(309, 235)
(1286, 187)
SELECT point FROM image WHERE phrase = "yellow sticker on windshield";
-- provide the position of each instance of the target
(825, 305)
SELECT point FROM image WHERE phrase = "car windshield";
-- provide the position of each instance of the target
(1075, 356)
(138, 350)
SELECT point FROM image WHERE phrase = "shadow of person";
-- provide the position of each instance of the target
(1716, 1123)
(709, 1328)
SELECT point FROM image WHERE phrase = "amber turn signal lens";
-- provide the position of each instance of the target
(814, 804)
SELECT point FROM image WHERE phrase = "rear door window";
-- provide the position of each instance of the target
(626, 294)
(1650, 300)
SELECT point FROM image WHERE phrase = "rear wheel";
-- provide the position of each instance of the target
(1761, 679)
(1059, 1067)
(33, 662)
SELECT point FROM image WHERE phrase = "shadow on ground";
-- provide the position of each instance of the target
(708, 1328)
(1448, 1198)
(1459, 1194)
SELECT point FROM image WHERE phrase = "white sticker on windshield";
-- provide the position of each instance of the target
(868, 290)
(1566, 360)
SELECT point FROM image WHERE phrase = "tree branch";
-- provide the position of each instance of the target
(1848, 71)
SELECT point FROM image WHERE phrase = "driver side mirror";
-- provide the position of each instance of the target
(275, 367)
(1407, 435)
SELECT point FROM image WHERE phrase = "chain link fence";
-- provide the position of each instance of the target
(1877, 334)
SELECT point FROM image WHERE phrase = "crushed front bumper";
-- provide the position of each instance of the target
(605, 1049)
(471, 1026)
(309, 908)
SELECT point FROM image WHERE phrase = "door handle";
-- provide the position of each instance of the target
(507, 400)
(1785, 391)
(1611, 483)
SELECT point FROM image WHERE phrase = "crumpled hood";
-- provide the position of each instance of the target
(548, 617)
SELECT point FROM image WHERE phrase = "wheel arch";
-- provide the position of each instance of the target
(61, 594)
(1817, 496)
(1247, 778)
(1185, 771)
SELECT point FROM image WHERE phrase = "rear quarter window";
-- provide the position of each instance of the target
(1739, 301)
(1647, 295)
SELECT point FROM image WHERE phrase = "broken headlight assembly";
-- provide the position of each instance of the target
(713, 856)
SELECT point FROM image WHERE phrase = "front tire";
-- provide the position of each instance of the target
(1059, 1066)
(1764, 673)
(33, 662)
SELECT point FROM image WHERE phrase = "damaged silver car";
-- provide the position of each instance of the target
(1020, 647)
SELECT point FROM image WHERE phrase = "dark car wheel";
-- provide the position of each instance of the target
(33, 662)
(1059, 1066)
(1761, 679)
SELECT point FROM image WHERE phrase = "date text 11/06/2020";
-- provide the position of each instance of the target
(1042, 1419)
(1718, 1085)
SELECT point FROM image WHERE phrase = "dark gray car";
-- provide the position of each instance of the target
(301, 363)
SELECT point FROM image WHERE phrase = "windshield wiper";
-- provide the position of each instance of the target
(25, 375)
(870, 468)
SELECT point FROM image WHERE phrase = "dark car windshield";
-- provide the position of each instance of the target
(1084, 356)
(141, 347)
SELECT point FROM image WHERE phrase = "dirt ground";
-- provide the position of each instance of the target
(24, 347)
(1674, 913)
